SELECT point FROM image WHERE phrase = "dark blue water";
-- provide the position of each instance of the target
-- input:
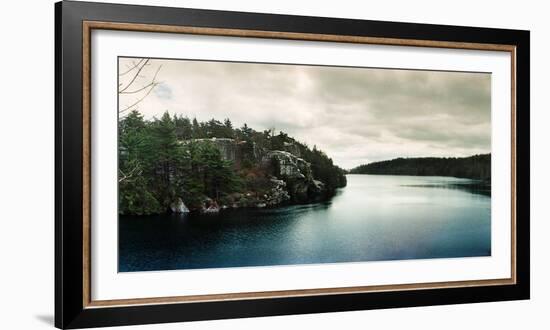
(376, 217)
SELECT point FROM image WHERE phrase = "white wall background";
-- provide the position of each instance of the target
(27, 168)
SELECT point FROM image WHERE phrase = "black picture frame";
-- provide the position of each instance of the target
(70, 309)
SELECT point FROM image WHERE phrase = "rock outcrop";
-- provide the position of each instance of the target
(178, 206)
(297, 175)
(278, 193)
(292, 148)
(231, 149)
(287, 165)
(210, 206)
(228, 148)
(289, 177)
(275, 194)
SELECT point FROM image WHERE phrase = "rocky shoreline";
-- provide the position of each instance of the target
(290, 181)
(176, 165)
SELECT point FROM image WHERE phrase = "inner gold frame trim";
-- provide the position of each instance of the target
(88, 26)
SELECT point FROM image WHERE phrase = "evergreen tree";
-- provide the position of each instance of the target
(134, 190)
(196, 129)
(184, 129)
(474, 167)
(163, 159)
(227, 123)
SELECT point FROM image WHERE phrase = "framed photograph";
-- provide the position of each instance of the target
(214, 164)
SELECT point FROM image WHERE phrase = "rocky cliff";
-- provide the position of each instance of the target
(289, 177)
(175, 164)
(231, 149)
(296, 173)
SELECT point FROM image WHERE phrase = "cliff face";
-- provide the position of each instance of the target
(231, 149)
(292, 148)
(228, 148)
(297, 175)
(288, 165)
(291, 177)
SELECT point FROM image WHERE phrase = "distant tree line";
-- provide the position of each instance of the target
(163, 159)
(473, 167)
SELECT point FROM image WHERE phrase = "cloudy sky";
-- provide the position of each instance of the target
(355, 115)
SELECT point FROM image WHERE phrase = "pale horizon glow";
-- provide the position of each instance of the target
(355, 115)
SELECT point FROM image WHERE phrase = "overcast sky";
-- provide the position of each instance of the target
(355, 115)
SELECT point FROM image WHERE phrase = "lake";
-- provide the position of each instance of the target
(376, 217)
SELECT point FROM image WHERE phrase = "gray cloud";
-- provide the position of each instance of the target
(163, 91)
(356, 115)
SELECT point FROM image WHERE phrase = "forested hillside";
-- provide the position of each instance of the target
(473, 167)
(175, 164)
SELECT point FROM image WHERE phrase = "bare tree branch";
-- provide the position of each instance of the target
(135, 76)
(139, 100)
(147, 89)
(153, 82)
(133, 67)
(133, 172)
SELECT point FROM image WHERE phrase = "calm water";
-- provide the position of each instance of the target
(376, 217)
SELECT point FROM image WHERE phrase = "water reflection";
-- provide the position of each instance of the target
(474, 187)
(373, 218)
